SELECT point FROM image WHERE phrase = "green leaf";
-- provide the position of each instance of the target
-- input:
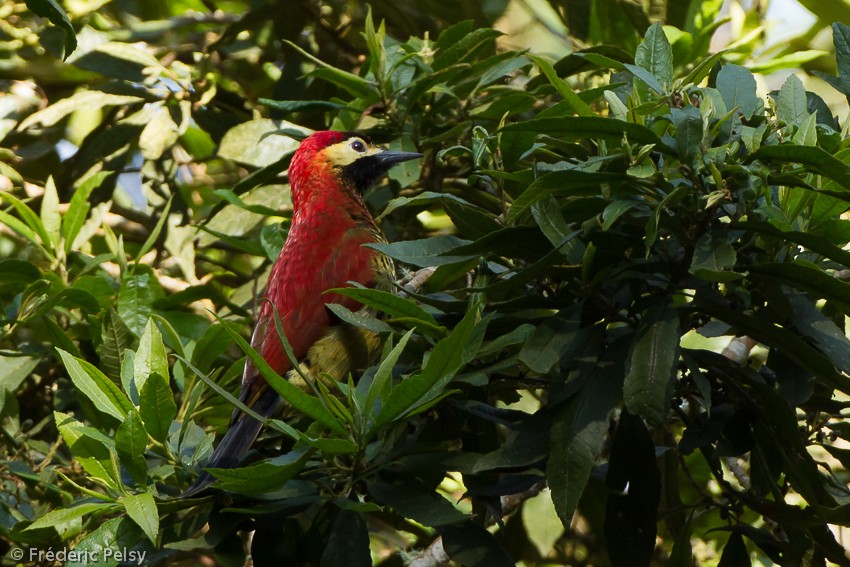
(49, 213)
(84, 99)
(459, 50)
(841, 39)
(382, 381)
(566, 181)
(791, 105)
(426, 252)
(14, 370)
(470, 543)
(88, 446)
(816, 159)
(260, 142)
(794, 60)
(358, 319)
(136, 295)
(813, 242)
(388, 303)
(131, 441)
(634, 493)
(120, 60)
(142, 510)
(689, 132)
(348, 543)
(94, 385)
(418, 503)
(64, 515)
(264, 476)
(78, 209)
(714, 257)
(823, 332)
(806, 277)
(115, 534)
(579, 430)
(595, 127)
(159, 134)
(298, 399)
(154, 234)
(31, 221)
(233, 199)
(737, 86)
(157, 406)
(656, 56)
(782, 339)
(615, 210)
(51, 10)
(444, 361)
(652, 363)
(550, 341)
(734, 552)
(151, 357)
(353, 84)
(116, 338)
(569, 95)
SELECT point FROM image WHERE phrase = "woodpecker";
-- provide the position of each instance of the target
(328, 175)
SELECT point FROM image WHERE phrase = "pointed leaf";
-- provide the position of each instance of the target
(142, 510)
(157, 406)
(131, 441)
(93, 384)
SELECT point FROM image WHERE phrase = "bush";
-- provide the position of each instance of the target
(632, 348)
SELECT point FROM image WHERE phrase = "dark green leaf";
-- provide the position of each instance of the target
(469, 543)
(131, 441)
(157, 407)
(737, 86)
(656, 56)
(136, 295)
(688, 121)
(348, 543)
(734, 552)
(264, 476)
(298, 399)
(579, 430)
(791, 103)
(99, 389)
(388, 303)
(652, 363)
(445, 360)
(434, 251)
(117, 338)
(841, 39)
(142, 510)
(51, 10)
(90, 447)
(418, 503)
(567, 181)
(634, 484)
(818, 160)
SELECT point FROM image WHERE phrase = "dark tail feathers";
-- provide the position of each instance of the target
(236, 442)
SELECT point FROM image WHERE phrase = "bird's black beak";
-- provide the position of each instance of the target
(388, 159)
(366, 170)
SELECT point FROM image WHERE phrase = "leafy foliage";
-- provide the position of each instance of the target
(638, 295)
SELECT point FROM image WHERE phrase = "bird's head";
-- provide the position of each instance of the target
(347, 160)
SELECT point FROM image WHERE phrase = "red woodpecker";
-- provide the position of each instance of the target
(328, 175)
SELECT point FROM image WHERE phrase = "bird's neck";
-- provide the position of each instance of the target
(337, 207)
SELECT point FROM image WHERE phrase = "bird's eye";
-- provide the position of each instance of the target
(358, 146)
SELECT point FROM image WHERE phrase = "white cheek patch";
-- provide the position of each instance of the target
(343, 154)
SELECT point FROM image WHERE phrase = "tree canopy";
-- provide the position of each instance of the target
(621, 330)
